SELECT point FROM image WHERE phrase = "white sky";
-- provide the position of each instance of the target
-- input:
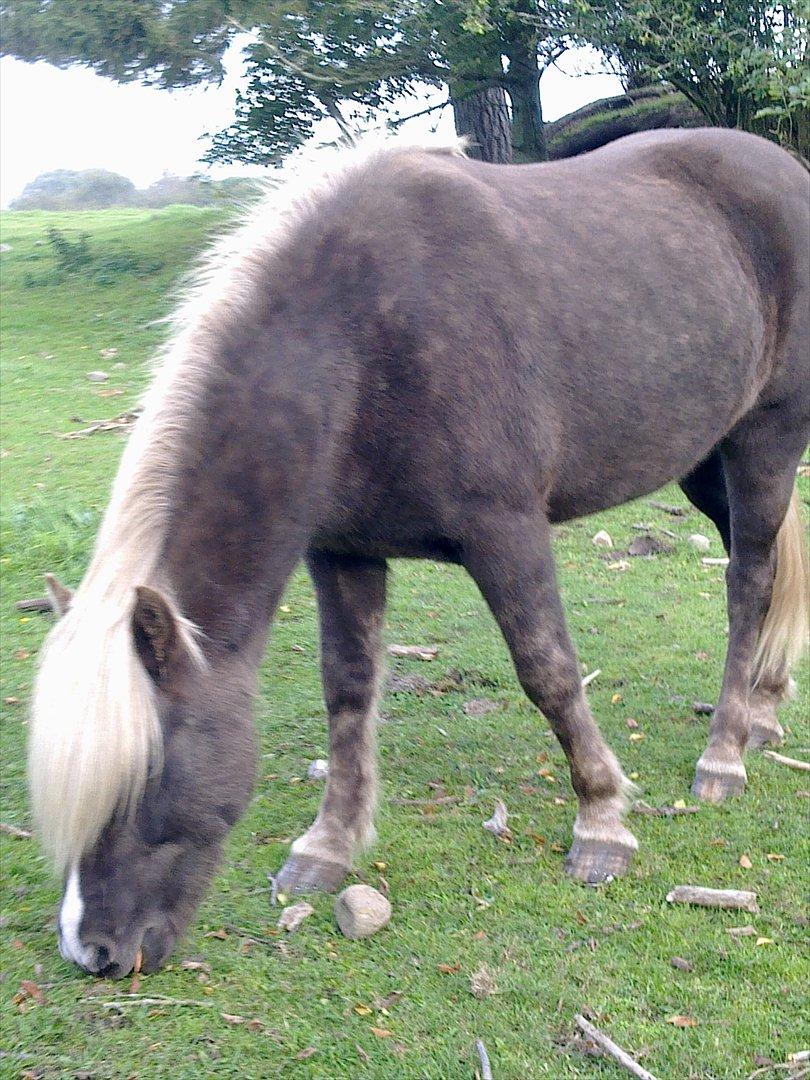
(74, 119)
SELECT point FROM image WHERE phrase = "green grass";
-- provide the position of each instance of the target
(656, 630)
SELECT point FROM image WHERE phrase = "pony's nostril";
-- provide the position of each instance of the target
(102, 958)
(97, 959)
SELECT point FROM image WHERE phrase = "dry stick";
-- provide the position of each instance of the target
(249, 935)
(134, 999)
(641, 807)
(483, 1057)
(13, 830)
(610, 1047)
(589, 678)
(792, 763)
(641, 527)
(670, 508)
(788, 1066)
(40, 603)
(721, 898)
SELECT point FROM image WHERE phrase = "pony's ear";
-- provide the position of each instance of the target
(59, 595)
(156, 632)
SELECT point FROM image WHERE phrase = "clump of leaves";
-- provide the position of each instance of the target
(73, 256)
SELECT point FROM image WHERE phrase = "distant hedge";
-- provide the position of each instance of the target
(97, 189)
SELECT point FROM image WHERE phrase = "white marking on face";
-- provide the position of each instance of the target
(70, 919)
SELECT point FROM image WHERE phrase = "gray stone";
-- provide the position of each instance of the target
(361, 911)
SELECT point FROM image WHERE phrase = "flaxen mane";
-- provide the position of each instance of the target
(95, 734)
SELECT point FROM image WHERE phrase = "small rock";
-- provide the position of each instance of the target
(681, 964)
(5, 247)
(699, 542)
(361, 911)
(97, 376)
(108, 354)
(292, 917)
(602, 539)
(318, 769)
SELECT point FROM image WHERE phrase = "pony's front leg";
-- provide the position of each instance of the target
(351, 604)
(510, 558)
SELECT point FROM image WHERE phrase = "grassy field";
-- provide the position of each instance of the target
(398, 1005)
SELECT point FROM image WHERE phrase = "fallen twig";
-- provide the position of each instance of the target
(642, 527)
(792, 763)
(13, 830)
(721, 898)
(589, 678)
(249, 935)
(670, 508)
(443, 800)
(116, 423)
(483, 1057)
(789, 1066)
(136, 999)
(39, 603)
(610, 1047)
(640, 807)
(714, 562)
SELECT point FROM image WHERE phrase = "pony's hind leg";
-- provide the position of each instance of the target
(705, 487)
(766, 614)
(510, 559)
(351, 603)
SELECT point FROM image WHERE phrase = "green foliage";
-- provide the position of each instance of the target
(742, 64)
(172, 44)
(657, 631)
(74, 257)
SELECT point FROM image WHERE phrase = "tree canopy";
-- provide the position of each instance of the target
(740, 62)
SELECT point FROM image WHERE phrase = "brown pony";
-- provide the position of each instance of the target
(423, 356)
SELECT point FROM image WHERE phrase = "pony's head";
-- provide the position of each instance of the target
(141, 760)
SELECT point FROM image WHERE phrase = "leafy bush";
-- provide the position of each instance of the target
(74, 257)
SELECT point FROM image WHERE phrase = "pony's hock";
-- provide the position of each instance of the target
(419, 355)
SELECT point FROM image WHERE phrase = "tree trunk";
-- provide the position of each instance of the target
(528, 131)
(483, 116)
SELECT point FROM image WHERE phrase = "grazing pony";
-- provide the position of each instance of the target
(423, 356)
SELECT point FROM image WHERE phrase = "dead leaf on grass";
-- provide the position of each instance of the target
(448, 969)
(682, 1021)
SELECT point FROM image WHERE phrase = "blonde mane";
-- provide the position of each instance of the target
(95, 732)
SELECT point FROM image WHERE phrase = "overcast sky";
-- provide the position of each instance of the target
(74, 119)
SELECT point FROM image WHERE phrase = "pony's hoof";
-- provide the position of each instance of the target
(305, 873)
(717, 781)
(597, 861)
(765, 736)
